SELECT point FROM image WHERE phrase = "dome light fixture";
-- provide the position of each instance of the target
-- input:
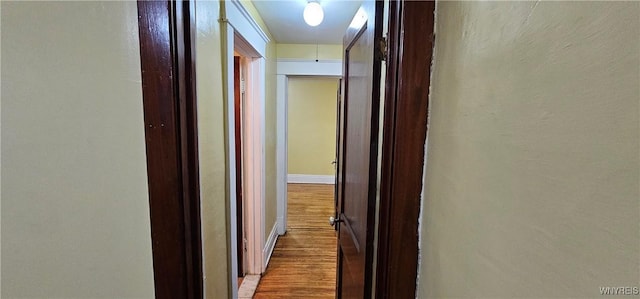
(313, 14)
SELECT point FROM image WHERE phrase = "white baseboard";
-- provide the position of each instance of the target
(311, 179)
(269, 246)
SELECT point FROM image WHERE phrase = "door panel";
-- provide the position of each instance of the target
(359, 141)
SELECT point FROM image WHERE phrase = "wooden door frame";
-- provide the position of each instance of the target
(169, 100)
(410, 45)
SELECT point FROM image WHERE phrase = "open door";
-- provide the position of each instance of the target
(358, 152)
(335, 161)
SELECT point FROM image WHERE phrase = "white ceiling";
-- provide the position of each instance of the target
(285, 22)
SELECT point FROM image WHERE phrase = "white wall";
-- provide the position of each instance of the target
(533, 165)
(75, 211)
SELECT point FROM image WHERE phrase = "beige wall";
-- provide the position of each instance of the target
(532, 176)
(75, 211)
(307, 51)
(311, 125)
(271, 119)
(211, 143)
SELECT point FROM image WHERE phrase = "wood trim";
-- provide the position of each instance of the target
(242, 23)
(168, 88)
(374, 150)
(405, 127)
(247, 16)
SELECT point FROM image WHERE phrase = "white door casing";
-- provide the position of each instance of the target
(286, 68)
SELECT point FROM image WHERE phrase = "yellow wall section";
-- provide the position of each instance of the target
(270, 140)
(211, 149)
(75, 209)
(307, 51)
(532, 179)
(312, 125)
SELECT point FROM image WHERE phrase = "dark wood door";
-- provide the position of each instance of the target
(237, 90)
(338, 130)
(359, 152)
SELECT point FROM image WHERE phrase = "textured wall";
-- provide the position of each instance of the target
(75, 209)
(211, 149)
(532, 175)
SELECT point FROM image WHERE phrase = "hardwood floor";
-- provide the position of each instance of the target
(303, 264)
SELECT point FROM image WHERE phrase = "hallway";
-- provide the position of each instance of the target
(303, 264)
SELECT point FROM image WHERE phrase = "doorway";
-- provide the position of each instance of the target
(285, 71)
(248, 140)
(304, 260)
(249, 212)
(406, 66)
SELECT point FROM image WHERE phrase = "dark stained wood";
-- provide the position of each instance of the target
(238, 134)
(359, 138)
(184, 43)
(338, 151)
(339, 170)
(304, 261)
(405, 128)
(168, 86)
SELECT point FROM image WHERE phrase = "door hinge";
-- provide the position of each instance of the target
(244, 244)
(382, 48)
(242, 85)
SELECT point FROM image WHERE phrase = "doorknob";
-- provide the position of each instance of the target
(333, 162)
(333, 220)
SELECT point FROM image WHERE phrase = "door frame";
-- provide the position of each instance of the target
(253, 156)
(410, 46)
(241, 33)
(172, 151)
(171, 136)
(284, 69)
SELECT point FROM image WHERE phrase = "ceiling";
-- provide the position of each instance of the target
(285, 22)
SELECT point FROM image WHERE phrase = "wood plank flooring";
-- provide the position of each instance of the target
(303, 264)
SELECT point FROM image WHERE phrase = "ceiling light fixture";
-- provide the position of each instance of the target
(313, 14)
